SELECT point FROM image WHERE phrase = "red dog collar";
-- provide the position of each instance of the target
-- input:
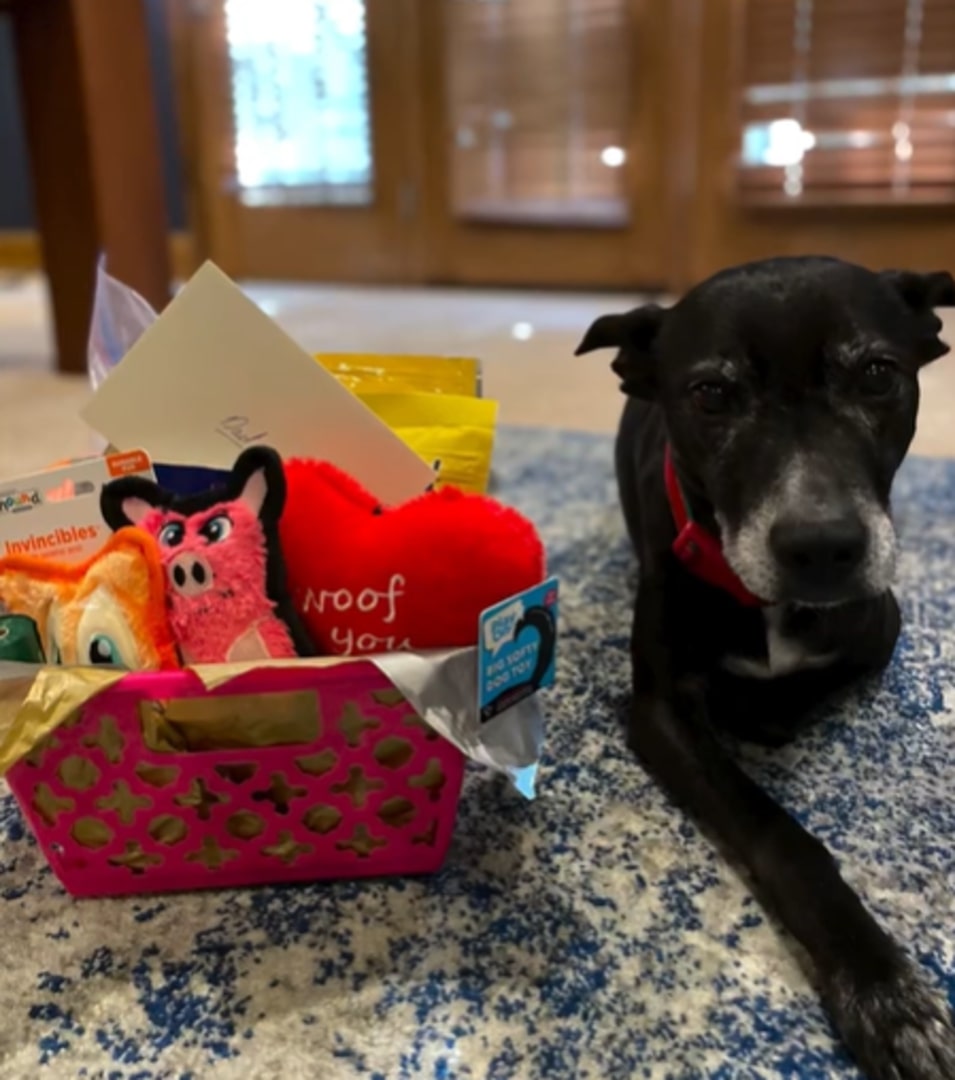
(700, 551)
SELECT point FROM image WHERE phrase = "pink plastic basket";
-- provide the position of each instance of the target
(374, 794)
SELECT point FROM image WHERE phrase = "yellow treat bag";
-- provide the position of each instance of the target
(368, 373)
(433, 403)
(452, 431)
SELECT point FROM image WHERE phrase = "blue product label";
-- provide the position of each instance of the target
(189, 479)
(517, 648)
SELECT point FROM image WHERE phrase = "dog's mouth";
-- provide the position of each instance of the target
(798, 596)
(815, 562)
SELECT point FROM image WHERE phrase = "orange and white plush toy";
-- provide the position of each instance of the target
(109, 610)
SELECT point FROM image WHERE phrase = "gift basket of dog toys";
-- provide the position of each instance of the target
(233, 676)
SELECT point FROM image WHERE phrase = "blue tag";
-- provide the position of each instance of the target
(517, 648)
(189, 479)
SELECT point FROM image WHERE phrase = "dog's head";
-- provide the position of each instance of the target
(790, 392)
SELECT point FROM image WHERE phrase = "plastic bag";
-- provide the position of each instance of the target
(120, 316)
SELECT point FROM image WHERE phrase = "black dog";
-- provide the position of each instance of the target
(768, 413)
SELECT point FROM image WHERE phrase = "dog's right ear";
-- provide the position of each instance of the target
(634, 334)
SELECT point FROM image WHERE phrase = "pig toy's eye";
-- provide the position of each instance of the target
(171, 535)
(216, 529)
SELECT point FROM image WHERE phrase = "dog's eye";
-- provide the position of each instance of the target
(877, 378)
(711, 397)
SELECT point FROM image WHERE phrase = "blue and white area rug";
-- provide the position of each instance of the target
(589, 934)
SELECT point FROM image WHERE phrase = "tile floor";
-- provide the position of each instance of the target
(525, 340)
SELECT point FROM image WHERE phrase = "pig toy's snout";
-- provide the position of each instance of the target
(191, 575)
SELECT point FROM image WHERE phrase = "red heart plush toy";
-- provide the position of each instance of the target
(367, 578)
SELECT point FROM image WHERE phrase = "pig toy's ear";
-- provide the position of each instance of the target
(128, 500)
(258, 480)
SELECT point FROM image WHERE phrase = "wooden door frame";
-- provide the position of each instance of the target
(211, 219)
(682, 89)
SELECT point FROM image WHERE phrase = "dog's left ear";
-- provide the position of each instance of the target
(634, 334)
(923, 293)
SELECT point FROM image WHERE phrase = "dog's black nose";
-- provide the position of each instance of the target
(819, 555)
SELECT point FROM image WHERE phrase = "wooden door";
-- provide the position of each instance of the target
(477, 141)
(546, 140)
(300, 136)
(826, 127)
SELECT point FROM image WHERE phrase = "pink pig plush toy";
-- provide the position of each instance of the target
(224, 569)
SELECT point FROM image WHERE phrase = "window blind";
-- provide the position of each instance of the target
(848, 101)
(538, 94)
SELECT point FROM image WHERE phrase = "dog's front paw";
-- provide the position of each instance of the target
(898, 1028)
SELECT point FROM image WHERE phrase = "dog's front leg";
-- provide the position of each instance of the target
(878, 999)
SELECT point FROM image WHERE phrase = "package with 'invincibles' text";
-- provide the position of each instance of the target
(55, 514)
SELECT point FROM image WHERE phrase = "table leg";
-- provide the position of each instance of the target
(94, 146)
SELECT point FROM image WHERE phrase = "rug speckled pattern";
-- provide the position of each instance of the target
(591, 933)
